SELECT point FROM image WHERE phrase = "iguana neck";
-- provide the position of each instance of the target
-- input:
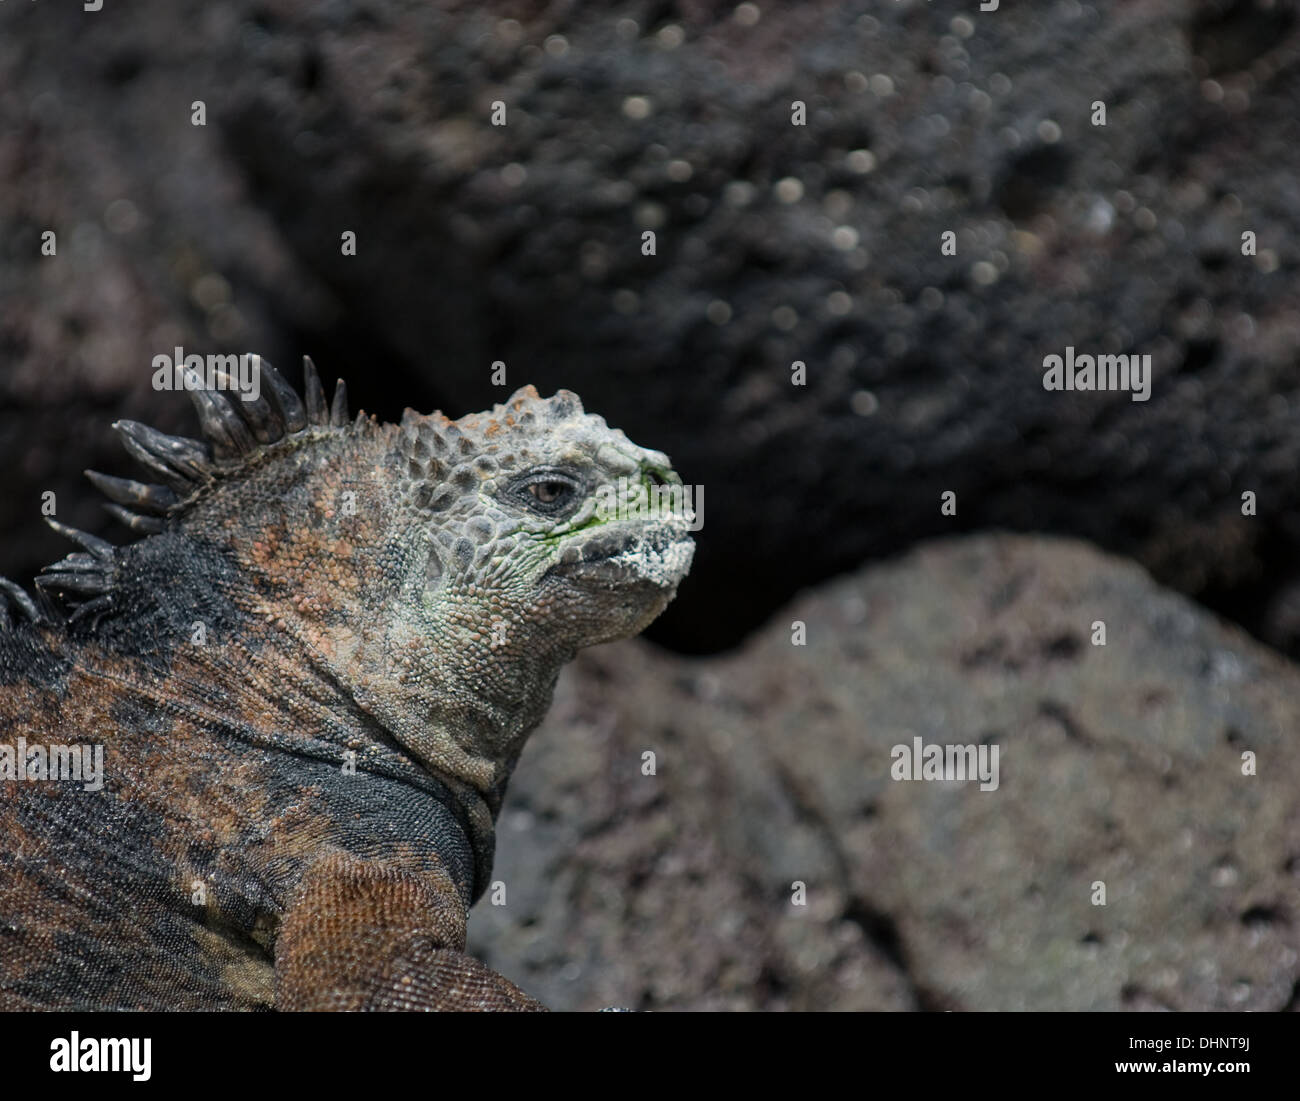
(375, 611)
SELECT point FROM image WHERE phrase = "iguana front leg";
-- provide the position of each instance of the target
(369, 935)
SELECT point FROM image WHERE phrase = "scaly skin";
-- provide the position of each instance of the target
(311, 679)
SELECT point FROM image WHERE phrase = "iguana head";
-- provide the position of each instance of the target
(533, 530)
(539, 513)
(437, 573)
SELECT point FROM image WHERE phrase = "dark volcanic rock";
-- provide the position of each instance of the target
(820, 243)
(1119, 763)
(775, 243)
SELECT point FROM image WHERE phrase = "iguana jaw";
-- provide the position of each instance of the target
(627, 553)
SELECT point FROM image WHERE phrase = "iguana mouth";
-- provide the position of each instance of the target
(629, 553)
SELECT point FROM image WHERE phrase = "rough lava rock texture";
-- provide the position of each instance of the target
(1120, 763)
(775, 243)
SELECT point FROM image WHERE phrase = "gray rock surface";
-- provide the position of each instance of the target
(1119, 763)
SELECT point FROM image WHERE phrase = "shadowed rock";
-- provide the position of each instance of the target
(775, 243)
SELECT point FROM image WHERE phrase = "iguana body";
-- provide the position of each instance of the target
(311, 680)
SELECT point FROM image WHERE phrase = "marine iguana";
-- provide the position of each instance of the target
(311, 679)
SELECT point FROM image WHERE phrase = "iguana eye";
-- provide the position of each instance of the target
(550, 493)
